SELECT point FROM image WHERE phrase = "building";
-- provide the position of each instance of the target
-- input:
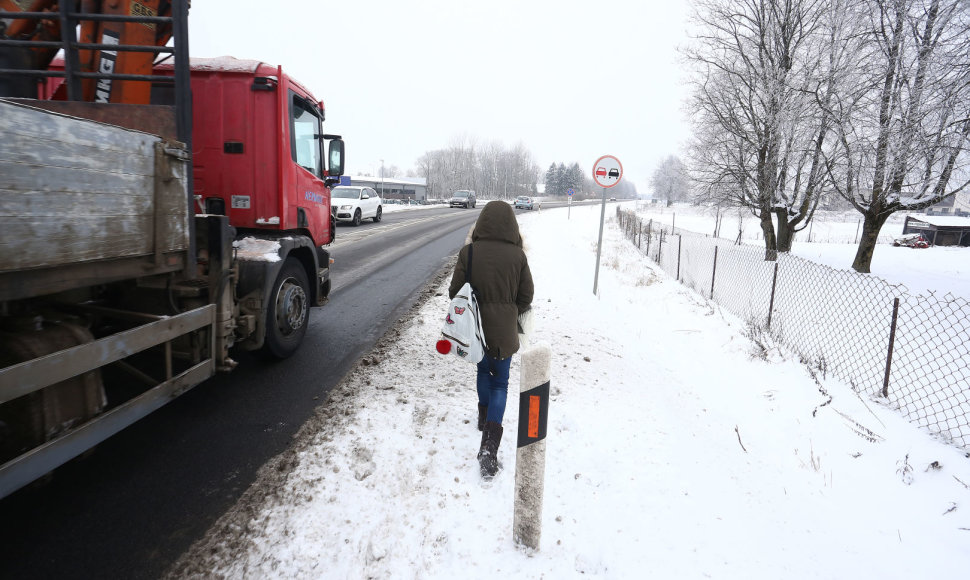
(415, 188)
(955, 204)
(940, 230)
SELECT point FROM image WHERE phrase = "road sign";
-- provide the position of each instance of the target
(570, 192)
(607, 171)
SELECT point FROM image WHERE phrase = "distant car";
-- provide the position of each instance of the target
(526, 202)
(463, 198)
(354, 204)
(612, 199)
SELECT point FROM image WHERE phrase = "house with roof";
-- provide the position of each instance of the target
(957, 204)
(402, 188)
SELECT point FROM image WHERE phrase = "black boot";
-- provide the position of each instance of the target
(482, 412)
(488, 454)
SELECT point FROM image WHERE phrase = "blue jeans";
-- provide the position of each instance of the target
(493, 386)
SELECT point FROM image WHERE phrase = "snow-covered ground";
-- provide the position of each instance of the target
(678, 447)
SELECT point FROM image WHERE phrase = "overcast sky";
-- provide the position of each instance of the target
(571, 80)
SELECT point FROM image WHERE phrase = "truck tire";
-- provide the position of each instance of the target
(288, 313)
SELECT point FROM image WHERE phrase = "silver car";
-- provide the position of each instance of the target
(463, 198)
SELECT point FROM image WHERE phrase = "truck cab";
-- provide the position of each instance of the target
(261, 158)
(264, 162)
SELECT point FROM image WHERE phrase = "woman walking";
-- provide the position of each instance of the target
(503, 285)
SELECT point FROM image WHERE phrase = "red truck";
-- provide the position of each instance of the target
(139, 243)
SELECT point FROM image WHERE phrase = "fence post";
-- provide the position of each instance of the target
(771, 304)
(660, 247)
(680, 240)
(530, 455)
(649, 225)
(713, 272)
(892, 341)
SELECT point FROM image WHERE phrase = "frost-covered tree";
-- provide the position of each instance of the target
(903, 119)
(759, 69)
(560, 178)
(492, 170)
(554, 180)
(669, 180)
(573, 178)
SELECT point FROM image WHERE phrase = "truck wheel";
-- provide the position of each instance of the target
(356, 221)
(288, 312)
(377, 216)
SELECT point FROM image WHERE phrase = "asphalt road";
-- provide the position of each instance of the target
(135, 503)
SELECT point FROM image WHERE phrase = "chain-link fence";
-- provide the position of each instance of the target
(911, 350)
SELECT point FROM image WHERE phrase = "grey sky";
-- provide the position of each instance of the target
(571, 80)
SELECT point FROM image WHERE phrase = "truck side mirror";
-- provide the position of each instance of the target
(336, 165)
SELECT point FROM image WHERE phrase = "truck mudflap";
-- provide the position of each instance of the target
(323, 276)
(33, 375)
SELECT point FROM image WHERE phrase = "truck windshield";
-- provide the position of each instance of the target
(304, 127)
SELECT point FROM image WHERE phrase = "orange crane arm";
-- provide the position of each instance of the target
(32, 30)
(121, 62)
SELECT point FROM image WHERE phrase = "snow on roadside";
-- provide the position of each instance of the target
(679, 447)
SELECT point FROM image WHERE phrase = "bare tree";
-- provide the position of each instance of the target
(904, 120)
(669, 180)
(493, 171)
(758, 133)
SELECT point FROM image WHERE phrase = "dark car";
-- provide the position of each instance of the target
(615, 173)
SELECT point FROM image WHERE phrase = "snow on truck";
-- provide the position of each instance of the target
(144, 229)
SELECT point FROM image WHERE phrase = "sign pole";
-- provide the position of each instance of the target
(599, 244)
(607, 172)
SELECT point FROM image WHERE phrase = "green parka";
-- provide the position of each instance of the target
(500, 276)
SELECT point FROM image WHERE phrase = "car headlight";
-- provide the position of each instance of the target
(346, 206)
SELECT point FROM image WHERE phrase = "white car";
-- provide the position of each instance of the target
(354, 204)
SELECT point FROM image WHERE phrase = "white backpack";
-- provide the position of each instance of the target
(462, 334)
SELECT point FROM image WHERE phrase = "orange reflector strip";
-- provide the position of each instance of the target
(533, 416)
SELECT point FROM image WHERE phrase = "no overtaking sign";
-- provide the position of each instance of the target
(607, 171)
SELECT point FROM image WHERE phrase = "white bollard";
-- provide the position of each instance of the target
(530, 456)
